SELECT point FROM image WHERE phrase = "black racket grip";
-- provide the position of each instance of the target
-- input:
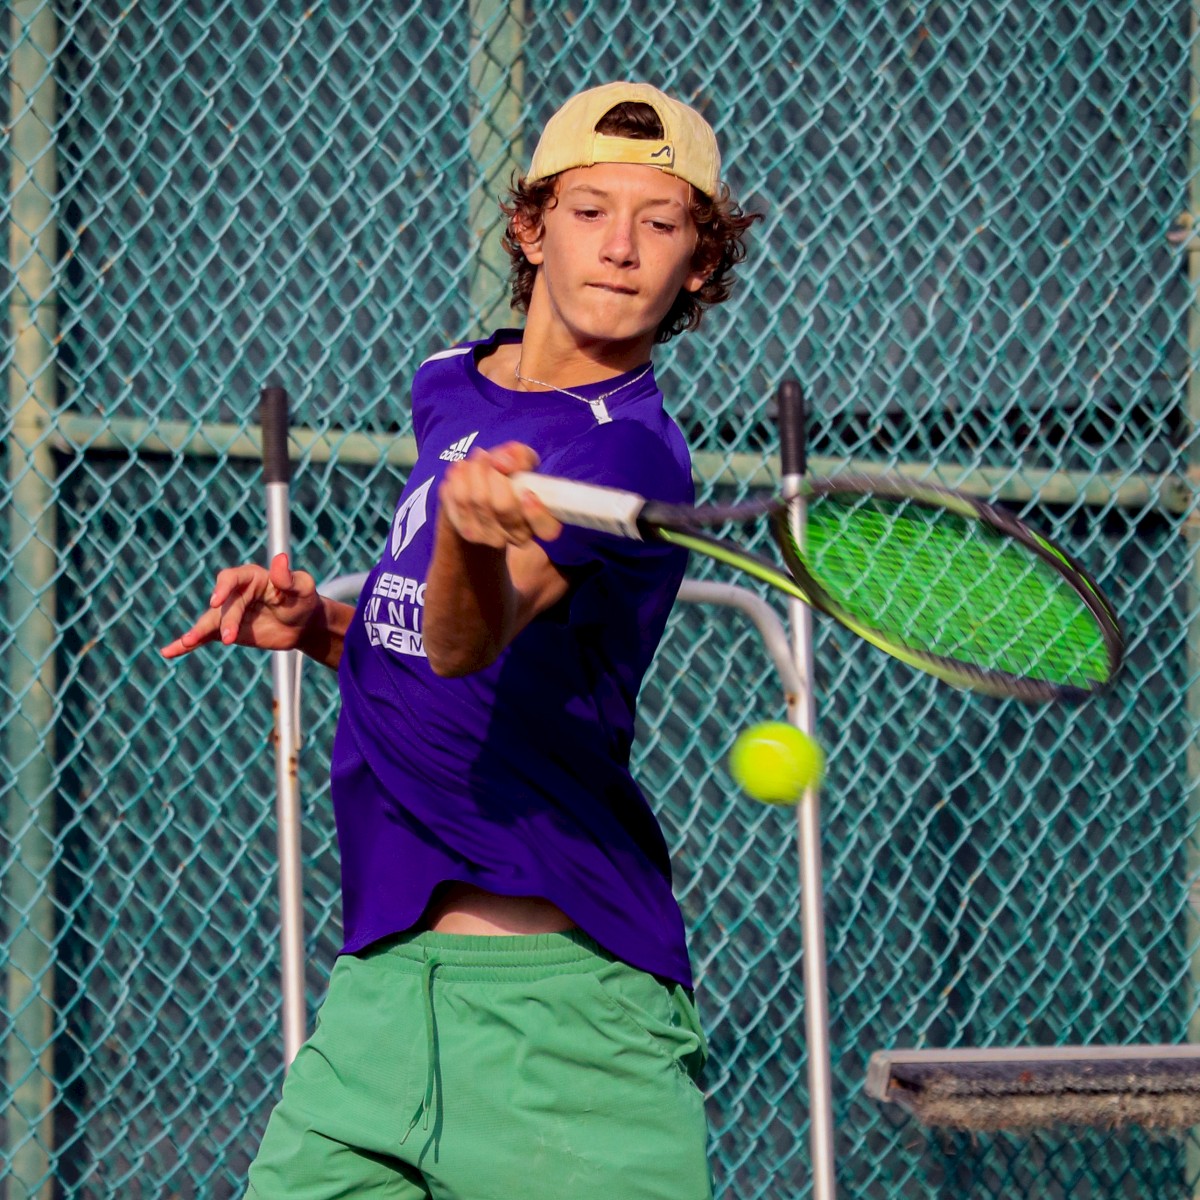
(273, 417)
(793, 431)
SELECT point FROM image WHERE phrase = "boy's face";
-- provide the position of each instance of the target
(613, 253)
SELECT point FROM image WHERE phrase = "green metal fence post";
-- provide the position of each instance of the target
(1191, 525)
(32, 397)
(497, 90)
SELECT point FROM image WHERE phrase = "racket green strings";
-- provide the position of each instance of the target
(940, 583)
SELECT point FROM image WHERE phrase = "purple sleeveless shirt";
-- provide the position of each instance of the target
(515, 778)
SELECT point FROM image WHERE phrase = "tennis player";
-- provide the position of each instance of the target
(511, 1015)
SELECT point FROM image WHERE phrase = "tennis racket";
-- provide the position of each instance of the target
(942, 581)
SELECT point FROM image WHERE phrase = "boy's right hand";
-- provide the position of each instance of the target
(253, 606)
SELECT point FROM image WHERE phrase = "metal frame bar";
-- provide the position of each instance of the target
(497, 79)
(1191, 532)
(29, 821)
(75, 433)
(285, 680)
(277, 473)
(883, 1061)
(1003, 1075)
(802, 712)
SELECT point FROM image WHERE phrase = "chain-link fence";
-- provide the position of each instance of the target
(968, 258)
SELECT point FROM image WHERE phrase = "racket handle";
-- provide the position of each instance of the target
(273, 418)
(793, 429)
(586, 504)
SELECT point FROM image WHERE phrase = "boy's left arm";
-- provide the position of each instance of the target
(489, 577)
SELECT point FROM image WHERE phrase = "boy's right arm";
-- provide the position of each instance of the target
(275, 609)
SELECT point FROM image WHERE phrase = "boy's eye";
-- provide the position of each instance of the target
(587, 212)
(662, 226)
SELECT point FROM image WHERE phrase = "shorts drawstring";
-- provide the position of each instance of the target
(431, 963)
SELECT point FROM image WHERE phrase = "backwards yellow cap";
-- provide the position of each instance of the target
(688, 148)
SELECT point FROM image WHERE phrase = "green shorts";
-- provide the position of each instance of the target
(492, 1068)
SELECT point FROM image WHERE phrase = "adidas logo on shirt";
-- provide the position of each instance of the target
(458, 451)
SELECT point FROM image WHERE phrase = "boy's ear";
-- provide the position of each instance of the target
(700, 273)
(703, 267)
(530, 239)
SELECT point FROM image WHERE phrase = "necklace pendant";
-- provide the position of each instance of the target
(595, 403)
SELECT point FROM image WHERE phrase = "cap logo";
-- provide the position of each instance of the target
(664, 157)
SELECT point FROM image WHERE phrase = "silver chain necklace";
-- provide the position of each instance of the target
(595, 403)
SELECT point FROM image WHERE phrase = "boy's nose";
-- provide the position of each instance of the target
(620, 247)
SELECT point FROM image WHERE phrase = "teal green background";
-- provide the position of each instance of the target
(964, 258)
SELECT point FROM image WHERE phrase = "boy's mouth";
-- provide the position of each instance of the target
(614, 287)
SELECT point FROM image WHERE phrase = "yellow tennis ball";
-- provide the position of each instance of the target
(775, 762)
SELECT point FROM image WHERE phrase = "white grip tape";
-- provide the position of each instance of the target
(587, 504)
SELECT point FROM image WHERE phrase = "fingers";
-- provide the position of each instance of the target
(235, 587)
(220, 623)
(280, 573)
(289, 586)
(514, 456)
(481, 503)
(511, 458)
(206, 629)
(232, 613)
(544, 525)
(234, 579)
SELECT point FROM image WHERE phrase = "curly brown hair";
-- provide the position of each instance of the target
(721, 228)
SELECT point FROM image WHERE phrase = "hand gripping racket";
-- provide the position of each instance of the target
(945, 582)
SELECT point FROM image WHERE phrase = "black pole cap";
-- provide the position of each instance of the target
(793, 433)
(273, 417)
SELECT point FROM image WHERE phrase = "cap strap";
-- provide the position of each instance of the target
(609, 149)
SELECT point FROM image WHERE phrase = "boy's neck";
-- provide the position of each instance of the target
(565, 364)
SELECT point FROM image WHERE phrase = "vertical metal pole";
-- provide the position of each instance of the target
(497, 92)
(1191, 531)
(276, 473)
(29, 746)
(802, 713)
